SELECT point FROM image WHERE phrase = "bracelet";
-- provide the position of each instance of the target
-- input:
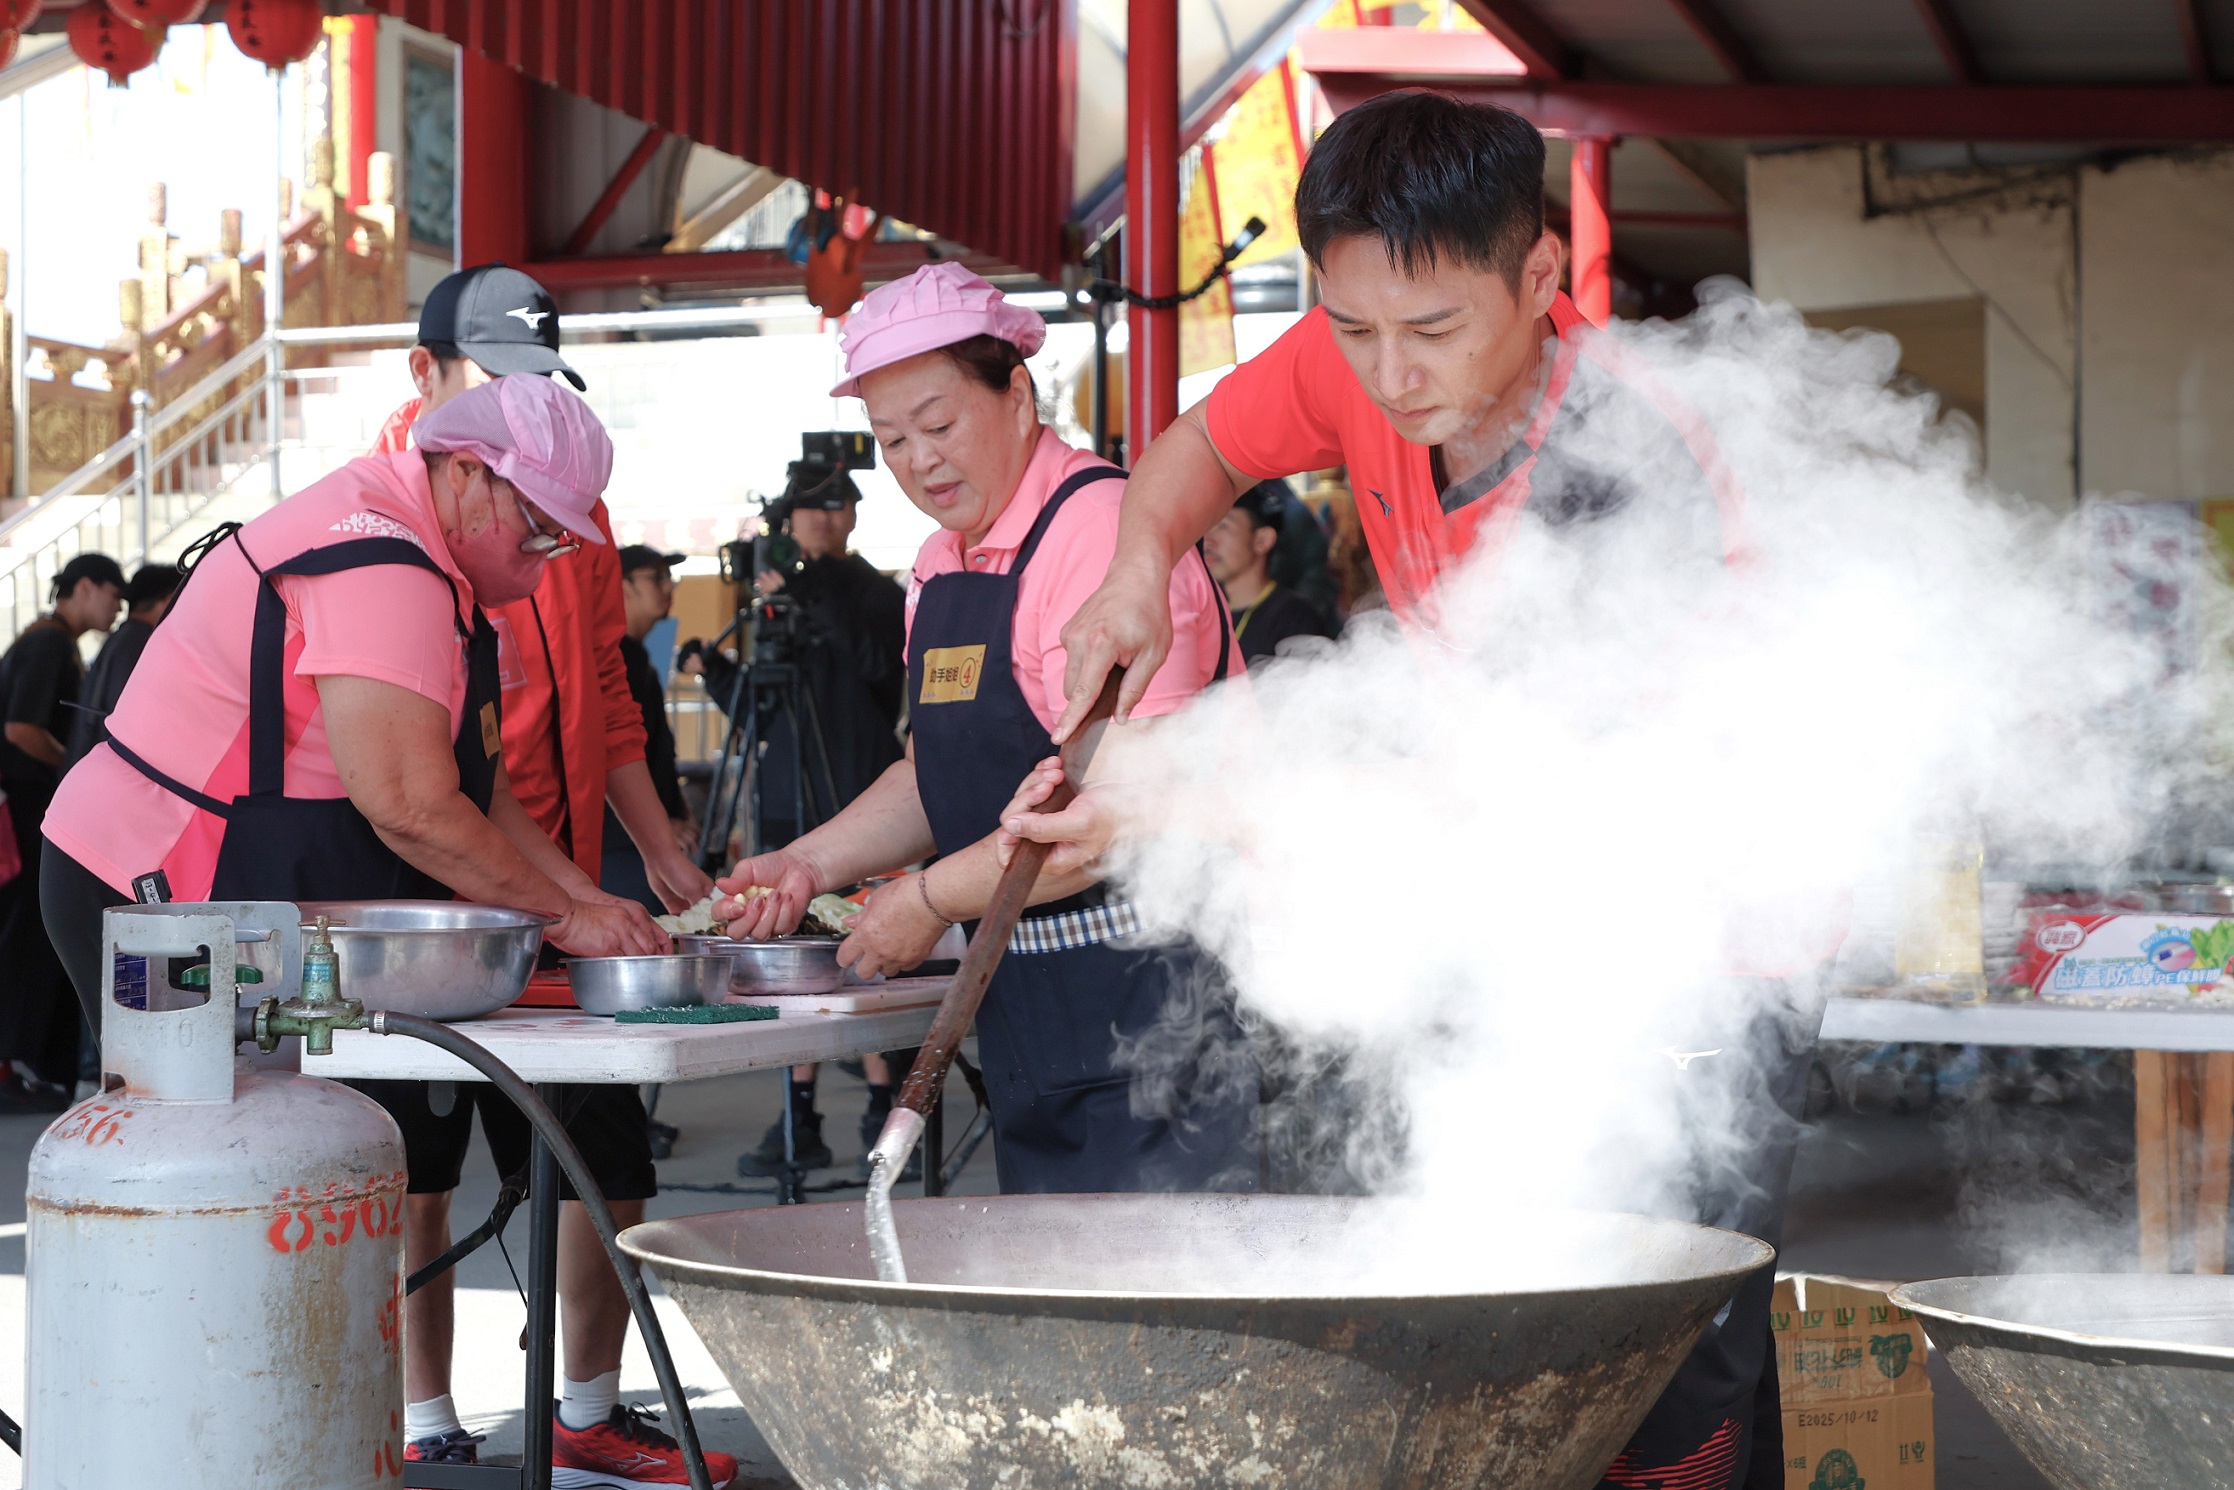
(923, 888)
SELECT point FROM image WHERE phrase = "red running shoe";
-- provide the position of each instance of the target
(625, 1452)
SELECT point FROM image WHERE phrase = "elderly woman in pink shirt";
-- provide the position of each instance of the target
(1027, 527)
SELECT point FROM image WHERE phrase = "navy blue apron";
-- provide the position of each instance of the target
(1051, 1024)
(278, 847)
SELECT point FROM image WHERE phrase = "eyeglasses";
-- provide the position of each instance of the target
(551, 543)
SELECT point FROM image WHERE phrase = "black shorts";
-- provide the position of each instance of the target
(605, 1122)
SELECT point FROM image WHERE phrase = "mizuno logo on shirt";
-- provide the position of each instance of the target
(1386, 509)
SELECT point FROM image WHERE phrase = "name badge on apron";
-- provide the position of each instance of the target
(950, 674)
(492, 739)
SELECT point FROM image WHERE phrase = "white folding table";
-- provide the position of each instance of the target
(565, 1047)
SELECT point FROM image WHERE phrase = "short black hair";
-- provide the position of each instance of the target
(444, 352)
(1266, 503)
(1430, 177)
(990, 361)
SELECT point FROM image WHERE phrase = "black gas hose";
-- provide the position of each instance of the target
(553, 1132)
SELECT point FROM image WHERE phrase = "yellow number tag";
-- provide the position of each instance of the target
(492, 740)
(950, 674)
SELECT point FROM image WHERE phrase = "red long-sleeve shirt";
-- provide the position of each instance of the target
(568, 715)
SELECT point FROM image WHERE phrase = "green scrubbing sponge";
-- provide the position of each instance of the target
(696, 1014)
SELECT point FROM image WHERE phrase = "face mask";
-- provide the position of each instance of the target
(493, 564)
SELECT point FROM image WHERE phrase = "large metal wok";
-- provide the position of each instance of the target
(1191, 1340)
(2121, 1380)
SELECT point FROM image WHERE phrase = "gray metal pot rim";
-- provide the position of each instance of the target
(824, 1285)
(2124, 1344)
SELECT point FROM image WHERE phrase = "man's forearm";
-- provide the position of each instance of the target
(635, 800)
(1179, 490)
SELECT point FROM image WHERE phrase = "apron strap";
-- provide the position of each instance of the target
(267, 665)
(1071, 484)
(171, 784)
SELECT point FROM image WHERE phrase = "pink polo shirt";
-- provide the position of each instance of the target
(1069, 565)
(185, 712)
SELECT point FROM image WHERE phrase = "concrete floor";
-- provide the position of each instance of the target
(1973, 1186)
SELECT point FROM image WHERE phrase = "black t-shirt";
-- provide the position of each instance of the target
(104, 685)
(1281, 614)
(39, 679)
(659, 740)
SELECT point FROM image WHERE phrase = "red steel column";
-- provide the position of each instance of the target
(1151, 216)
(364, 104)
(1590, 228)
(492, 162)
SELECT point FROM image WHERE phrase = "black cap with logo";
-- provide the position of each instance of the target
(640, 556)
(498, 317)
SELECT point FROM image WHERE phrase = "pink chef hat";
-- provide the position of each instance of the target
(937, 306)
(531, 432)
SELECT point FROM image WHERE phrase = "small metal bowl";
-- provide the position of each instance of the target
(607, 985)
(442, 959)
(787, 965)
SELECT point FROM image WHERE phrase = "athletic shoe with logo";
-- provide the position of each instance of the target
(453, 1447)
(625, 1452)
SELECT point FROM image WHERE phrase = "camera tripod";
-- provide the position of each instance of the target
(768, 701)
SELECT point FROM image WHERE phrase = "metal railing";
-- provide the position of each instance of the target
(134, 498)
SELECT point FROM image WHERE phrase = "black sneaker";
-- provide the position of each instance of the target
(808, 1149)
(19, 1096)
(872, 1128)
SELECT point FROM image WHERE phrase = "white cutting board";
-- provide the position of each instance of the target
(854, 998)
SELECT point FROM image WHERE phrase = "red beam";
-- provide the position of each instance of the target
(1733, 222)
(1953, 42)
(1151, 217)
(750, 269)
(602, 210)
(1526, 35)
(2195, 37)
(1767, 111)
(1590, 239)
(492, 161)
(1715, 32)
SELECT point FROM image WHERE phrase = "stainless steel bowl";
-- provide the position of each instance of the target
(787, 965)
(607, 985)
(441, 959)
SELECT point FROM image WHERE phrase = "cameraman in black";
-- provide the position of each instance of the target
(850, 625)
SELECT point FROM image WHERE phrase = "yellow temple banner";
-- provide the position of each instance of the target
(1205, 322)
(1258, 159)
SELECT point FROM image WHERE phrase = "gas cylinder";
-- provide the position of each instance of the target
(214, 1253)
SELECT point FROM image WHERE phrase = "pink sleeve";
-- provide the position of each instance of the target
(390, 623)
(1076, 555)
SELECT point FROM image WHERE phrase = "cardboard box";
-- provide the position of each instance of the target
(2160, 957)
(1857, 1395)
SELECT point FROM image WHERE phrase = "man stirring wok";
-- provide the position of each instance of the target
(1446, 370)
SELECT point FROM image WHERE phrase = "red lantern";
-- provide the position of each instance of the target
(104, 40)
(9, 38)
(276, 32)
(17, 15)
(159, 12)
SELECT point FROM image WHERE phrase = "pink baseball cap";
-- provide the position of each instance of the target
(937, 306)
(531, 432)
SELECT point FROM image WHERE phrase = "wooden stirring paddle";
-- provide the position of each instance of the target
(958, 1010)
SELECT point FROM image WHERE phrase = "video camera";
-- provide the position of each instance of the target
(819, 480)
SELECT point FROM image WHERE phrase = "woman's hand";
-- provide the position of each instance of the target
(894, 932)
(1081, 832)
(601, 925)
(791, 881)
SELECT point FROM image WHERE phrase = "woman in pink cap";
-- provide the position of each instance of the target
(1027, 526)
(317, 717)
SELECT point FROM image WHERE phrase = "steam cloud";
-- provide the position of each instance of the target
(1500, 879)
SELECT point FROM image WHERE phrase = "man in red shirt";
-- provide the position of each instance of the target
(573, 742)
(1446, 370)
